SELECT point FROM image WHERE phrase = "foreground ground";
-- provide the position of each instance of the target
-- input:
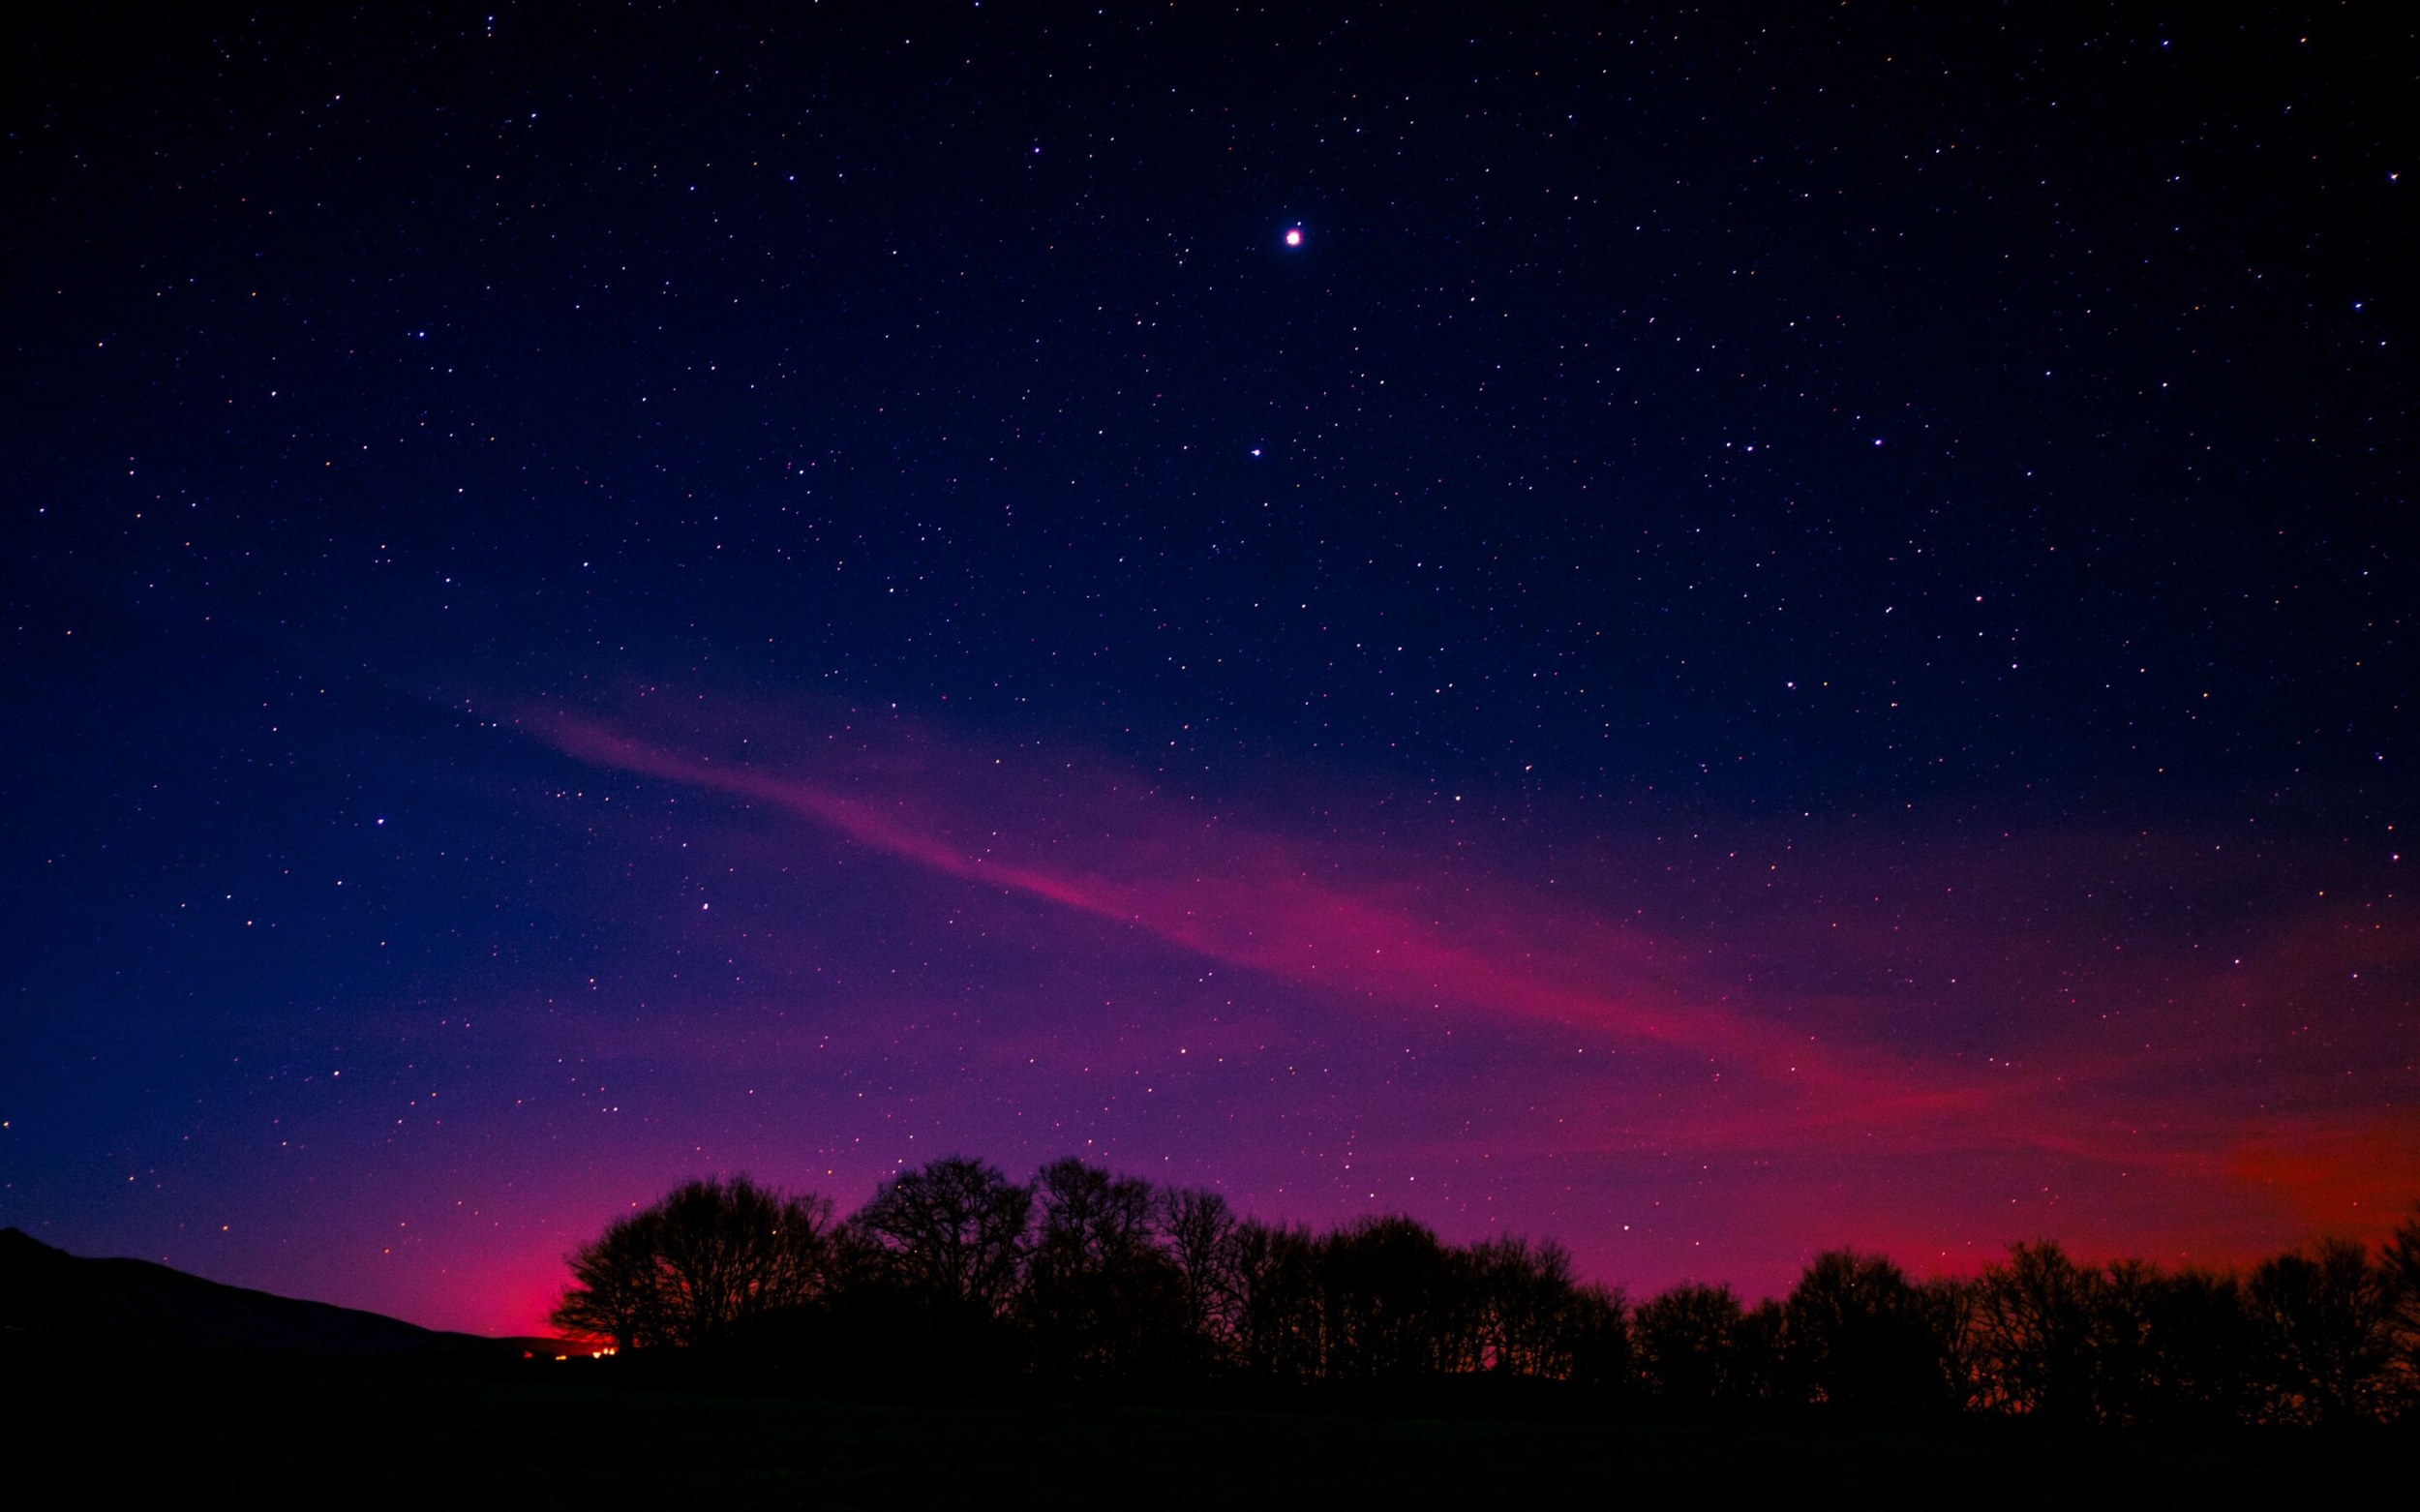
(540, 1442)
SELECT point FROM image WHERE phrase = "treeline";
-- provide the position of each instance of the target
(1084, 1280)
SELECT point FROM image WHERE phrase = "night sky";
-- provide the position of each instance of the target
(1770, 629)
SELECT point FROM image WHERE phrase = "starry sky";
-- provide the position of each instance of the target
(1706, 634)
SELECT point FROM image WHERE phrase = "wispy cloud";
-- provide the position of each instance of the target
(1734, 1064)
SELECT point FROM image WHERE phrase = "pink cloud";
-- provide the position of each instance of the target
(1803, 1013)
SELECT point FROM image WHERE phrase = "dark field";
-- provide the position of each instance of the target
(350, 1438)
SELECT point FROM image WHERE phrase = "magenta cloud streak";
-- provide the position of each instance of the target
(1790, 1032)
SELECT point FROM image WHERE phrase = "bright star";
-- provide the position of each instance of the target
(1293, 237)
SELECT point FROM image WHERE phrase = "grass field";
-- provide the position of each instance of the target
(422, 1439)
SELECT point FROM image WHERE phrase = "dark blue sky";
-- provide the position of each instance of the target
(1926, 456)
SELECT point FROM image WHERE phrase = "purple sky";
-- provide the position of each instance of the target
(833, 942)
(1774, 629)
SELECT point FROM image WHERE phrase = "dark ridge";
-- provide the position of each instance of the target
(52, 1301)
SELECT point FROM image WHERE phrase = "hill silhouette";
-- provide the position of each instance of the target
(54, 1302)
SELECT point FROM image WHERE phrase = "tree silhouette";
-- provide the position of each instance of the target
(614, 1294)
(1759, 1355)
(1687, 1338)
(1102, 1300)
(1393, 1304)
(1278, 1324)
(2125, 1345)
(952, 1234)
(2399, 1265)
(1596, 1335)
(1859, 1338)
(2327, 1318)
(2202, 1346)
(954, 1278)
(708, 1260)
(2037, 1313)
(1531, 1316)
(2120, 1345)
(1200, 1232)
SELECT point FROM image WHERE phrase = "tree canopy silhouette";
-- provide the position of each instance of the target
(952, 1234)
(1085, 1279)
(702, 1264)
